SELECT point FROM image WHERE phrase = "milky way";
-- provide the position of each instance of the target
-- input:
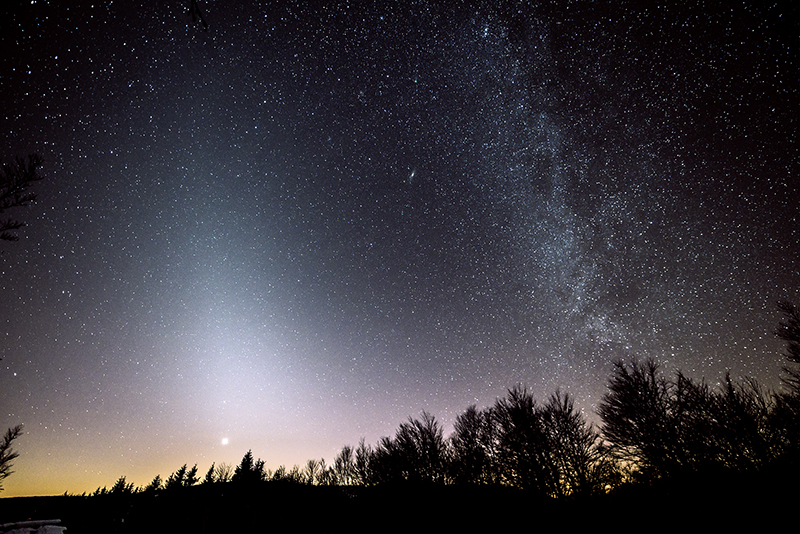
(306, 224)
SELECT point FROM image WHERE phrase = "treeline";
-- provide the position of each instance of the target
(517, 442)
(653, 428)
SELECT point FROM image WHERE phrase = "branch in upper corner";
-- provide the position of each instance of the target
(196, 14)
(15, 179)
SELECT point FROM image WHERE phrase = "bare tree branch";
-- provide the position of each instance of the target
(15, 178)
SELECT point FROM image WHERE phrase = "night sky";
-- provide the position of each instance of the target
(307, 223)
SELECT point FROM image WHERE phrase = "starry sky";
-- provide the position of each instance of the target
(308, 222)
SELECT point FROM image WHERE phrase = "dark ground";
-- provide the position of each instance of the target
(286, 507)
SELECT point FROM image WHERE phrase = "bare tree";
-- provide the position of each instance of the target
(327, 474)
(636, 418)
(581, 468)
(789, 331)
(311, 475)
(786, 415)
(746, 441)
(295, 475)
(363, 464)
(417, 453)
(472, 447)
(223, 472)
(344, 467)
(524, 453)
(676, 428)
(693, 422)
(432, 447)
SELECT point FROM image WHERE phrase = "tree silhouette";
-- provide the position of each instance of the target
(693, 424)
(472, 447)
(428, 437)
(7, 454)
(279, 475)
(155, 485)
(344, 467)
(656, 429)
(327, 474)
(15, 179)
(745, 439)
(294, 475)
(524, 453)
(249, 470)
(785, 417)
(363, 464)
(417, 453)
(223, 472)
(668, 429)
(580, 466)
(210, 476)
(313, 472)
(550, 449)
(789, 331)
(121, 487)
(635, 415)
(182, 478)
